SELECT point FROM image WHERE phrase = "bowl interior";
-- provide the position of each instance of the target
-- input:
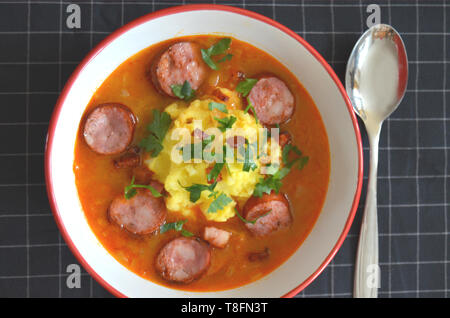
(344, 148)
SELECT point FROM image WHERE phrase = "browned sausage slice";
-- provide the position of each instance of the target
(109, 128)
(217, 237)
(179, 63)
(142, 175)
(183, 260)
(129, 160)
(267, 222)
(272, 100)
(142, 214)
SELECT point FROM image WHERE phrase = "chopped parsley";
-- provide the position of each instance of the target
(208, 60)
(196, 190)
(225, 123)
(271, 168)
(246, 155)
(302, 162)
(252, 221)
(130, 190)
(250, 106)
(273, 181)
(158, 130)
(219, 203)
(244, 87)
(216, 49)
(225, 58)
(249, 162)
(184, 91)
(177, 226)
(215, 171)
(189, 151)
(299, 158)
(218, 106)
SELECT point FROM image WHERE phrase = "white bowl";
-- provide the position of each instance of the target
(298, 56)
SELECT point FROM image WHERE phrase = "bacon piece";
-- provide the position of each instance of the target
(216, 237)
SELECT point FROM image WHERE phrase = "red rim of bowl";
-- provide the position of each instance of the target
(170, 11)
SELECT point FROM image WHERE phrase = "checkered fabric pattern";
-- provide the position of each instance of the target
(38, 53)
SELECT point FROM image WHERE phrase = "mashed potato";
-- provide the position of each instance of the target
(236, 183)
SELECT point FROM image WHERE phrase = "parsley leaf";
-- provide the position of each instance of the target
(219, 203)
(208, 60)
(160, 125)
(226, 122)
(228, 168)
(271, 168)
(190, 154)
(220, 47)
(215, 171)
(248, 221)
(152, 144)
(158, 130)
(216, 49)
(225, 58)
(302, 160)
(244, 87)
(177, 226)
(219, 106)
(250, 106)
(196, 190)
(184, 91)
(130, 190)
(249, 162)
(286, 150)
(273, 182)
(186, 233)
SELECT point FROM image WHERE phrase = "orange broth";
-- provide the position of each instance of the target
(98, 181)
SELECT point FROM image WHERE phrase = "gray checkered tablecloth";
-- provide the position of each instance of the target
(38, 53)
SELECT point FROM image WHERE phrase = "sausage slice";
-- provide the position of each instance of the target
(267, 222)
(179, 63)
(129, 160)
(183, 260)
(142, 175)
(217, 237)
(272, 100)
(142, 214)
(109, 128)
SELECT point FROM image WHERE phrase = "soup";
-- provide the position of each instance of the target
(210, 221)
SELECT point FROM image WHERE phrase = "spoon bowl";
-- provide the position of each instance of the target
(377, 73)
(375, 80)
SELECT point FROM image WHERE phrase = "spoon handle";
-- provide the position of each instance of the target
(367, 273)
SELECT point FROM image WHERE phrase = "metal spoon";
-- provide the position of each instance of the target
(375, 80)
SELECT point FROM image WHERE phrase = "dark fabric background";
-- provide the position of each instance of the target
(38, 53)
